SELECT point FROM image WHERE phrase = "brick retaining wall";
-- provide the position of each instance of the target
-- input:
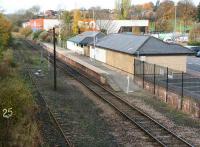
(186, 104)
(79, 66)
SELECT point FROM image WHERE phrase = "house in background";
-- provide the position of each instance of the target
(120, 50)
(79, 43)
(86, 25)
(41, 24)
(114, 26)
(119, 26)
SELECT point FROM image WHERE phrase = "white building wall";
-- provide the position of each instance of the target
(79, 50)
(73, 46)
(91, 52)
(98, 54)
(50, 23)
(113, 26)
(25, 24)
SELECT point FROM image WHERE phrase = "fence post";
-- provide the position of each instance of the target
(154, 78)
(167, 85)
(134, 68)
(182, 89)
(143, 73)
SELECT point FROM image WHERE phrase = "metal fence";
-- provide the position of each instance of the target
(175, 81)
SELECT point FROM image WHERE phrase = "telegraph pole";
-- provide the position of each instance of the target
(54, 50)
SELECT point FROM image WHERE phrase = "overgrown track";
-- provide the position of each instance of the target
(151, 127)
(55, 117)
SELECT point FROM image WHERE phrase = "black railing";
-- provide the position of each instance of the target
(171, 80)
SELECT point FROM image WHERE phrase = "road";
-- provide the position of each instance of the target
(193, 65)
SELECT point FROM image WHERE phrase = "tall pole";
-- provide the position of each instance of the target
(59, 36)
(94, 35)
(154, 78)
(54, 51)
(167, 81)
(175, 19)
(182, 90)
(143, 74)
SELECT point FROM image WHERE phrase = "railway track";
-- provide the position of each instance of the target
(53, 114)
(44, 105)
(151, 127)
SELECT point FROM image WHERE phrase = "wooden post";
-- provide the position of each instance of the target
(54, 50)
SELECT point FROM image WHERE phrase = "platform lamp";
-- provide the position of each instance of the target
(54, 51)
(94, 39)
(175, 5)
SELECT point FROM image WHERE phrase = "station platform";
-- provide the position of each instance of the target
(117, 79)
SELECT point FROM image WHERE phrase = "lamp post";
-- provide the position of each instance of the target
(175, 5)
(59, 35)
(94, 40)
(54, 51)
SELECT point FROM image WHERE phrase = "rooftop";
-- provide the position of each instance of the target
(86, 37)
(144, 45)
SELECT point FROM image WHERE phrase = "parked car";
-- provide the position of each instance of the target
(195, 49)
(198, 54)
(169, 40)
(183, 38)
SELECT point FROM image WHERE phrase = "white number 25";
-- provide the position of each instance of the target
(7, 113)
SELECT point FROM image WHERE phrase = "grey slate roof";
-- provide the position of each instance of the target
(156, 46)
(145, 45)
(86, 37)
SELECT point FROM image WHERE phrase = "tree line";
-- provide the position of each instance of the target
(161, 15)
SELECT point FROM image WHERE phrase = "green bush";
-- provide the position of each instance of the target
(15, 95)
(6, 63)
(49, 38)
(25, 31)
(15, 29)
(194, 36)
(43, 36)
(194, 43)
(5, 32)
(35, 35)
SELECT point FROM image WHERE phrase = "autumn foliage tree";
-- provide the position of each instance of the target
(25, 31)
(165, 14)
(194, 36)
(186, 12)
(66, 29)
(5, 32)
(122, 8)
(198, 12)
(76, 18)
(148, 6)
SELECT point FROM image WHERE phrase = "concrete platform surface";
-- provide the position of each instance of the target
(117, 79)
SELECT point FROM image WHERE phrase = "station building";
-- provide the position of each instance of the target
(120, 50)
(79, 43)
(114, 26)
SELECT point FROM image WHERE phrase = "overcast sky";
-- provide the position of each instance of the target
(11, 6)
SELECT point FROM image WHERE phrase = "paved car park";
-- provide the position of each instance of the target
(191, 85)
(193, 65)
